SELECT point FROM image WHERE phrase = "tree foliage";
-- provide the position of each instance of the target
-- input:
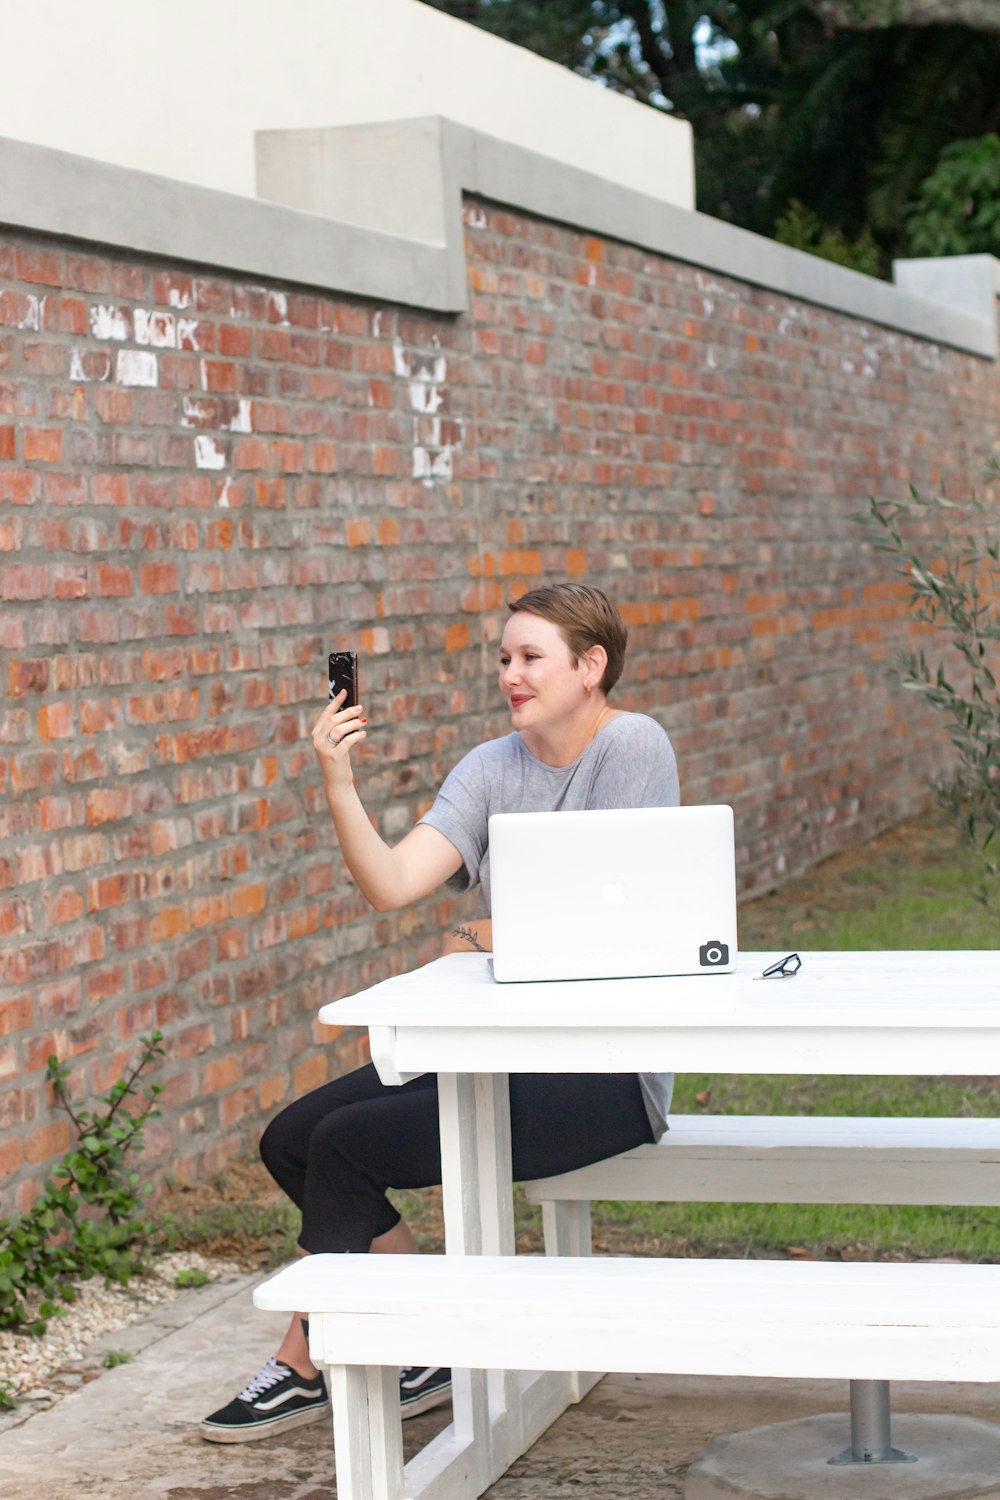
(958, 209)
(844, 106)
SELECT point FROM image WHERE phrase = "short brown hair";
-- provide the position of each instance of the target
(586, 617)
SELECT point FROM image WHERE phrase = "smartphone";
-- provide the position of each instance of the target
(344, 674)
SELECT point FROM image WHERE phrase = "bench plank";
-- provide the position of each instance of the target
(796, 1159)
(793, 1319)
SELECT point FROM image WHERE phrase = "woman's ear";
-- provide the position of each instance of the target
(595, 660)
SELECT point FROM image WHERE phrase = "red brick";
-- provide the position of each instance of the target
(47, 1141)
(66, 315)
(31, 676)
(251, 454)
(272, 1091)
(235, 1107)
(11, 1157)
(45, 359)
(25, 581)
(15, 917)
(107, 891)
(310, 1073)
(6, 443)
(235, 341)
(69, 582)
(65, 489)
(55, 721)
(16, 1014)
(218, 375)
(169, 922)
(159, 578)
(248, 900)
(220, 1074)
(65, 906)
(108, 803)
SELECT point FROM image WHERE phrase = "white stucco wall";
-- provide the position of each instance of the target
(180, 89)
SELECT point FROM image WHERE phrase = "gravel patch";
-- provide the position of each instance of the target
(41, 1369)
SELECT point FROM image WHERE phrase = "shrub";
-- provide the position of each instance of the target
(958, 596)
(800, 229)
(86, 1219)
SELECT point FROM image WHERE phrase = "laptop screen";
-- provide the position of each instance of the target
(613, 894)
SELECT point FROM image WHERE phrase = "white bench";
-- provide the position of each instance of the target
(779, 1159)
(871, 1322)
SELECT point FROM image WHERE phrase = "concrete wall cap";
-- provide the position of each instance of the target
(949, 301)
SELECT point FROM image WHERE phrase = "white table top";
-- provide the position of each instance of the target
(930, 1012)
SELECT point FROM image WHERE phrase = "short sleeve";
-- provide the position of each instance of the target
(638, 767)
(461, 813)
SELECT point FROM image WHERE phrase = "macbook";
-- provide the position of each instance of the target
(613, 894)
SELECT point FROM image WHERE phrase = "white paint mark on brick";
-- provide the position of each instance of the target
(277, 308)
(224, 493)
(77, 372)
(432, 459)
(36, 311)
(376, 325)
(178, 298)
(194, 413)
(135, 367)
(158, 329)
(243, 420)
(475, 217)
(207, 453)
(710, 360)
(187, 333)
(108, 323)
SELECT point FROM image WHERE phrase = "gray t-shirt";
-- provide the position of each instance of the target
(629, 763)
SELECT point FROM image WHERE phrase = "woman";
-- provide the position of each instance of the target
(337, 1150)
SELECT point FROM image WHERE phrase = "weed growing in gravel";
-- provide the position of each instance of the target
(190, 1278)
(116, 1357)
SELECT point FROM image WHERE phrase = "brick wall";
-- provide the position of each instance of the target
(206, 484)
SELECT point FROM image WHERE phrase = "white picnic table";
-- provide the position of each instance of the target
(921, 1013)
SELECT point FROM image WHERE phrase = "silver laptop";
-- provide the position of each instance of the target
(620, 894)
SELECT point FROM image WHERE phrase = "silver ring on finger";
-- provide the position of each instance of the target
(331, 739)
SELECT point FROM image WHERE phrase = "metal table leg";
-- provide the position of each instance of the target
(871, 1423)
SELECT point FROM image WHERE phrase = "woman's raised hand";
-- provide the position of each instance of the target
(334, 734)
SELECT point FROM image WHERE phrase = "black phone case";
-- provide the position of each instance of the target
(344, 674)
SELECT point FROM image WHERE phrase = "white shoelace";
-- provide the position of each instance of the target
(268, 1375)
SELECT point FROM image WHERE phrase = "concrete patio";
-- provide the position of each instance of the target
(131, 1433)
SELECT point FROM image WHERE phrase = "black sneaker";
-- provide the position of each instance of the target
(278, 1397)
(421, 1388)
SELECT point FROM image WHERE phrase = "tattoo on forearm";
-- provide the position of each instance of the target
(467, 934)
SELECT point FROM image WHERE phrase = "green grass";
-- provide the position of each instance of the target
(268, 1231)
(897, 893)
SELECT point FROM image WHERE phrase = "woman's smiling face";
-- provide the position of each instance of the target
(538, 676)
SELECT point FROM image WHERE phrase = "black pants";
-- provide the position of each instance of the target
(336, 1151)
